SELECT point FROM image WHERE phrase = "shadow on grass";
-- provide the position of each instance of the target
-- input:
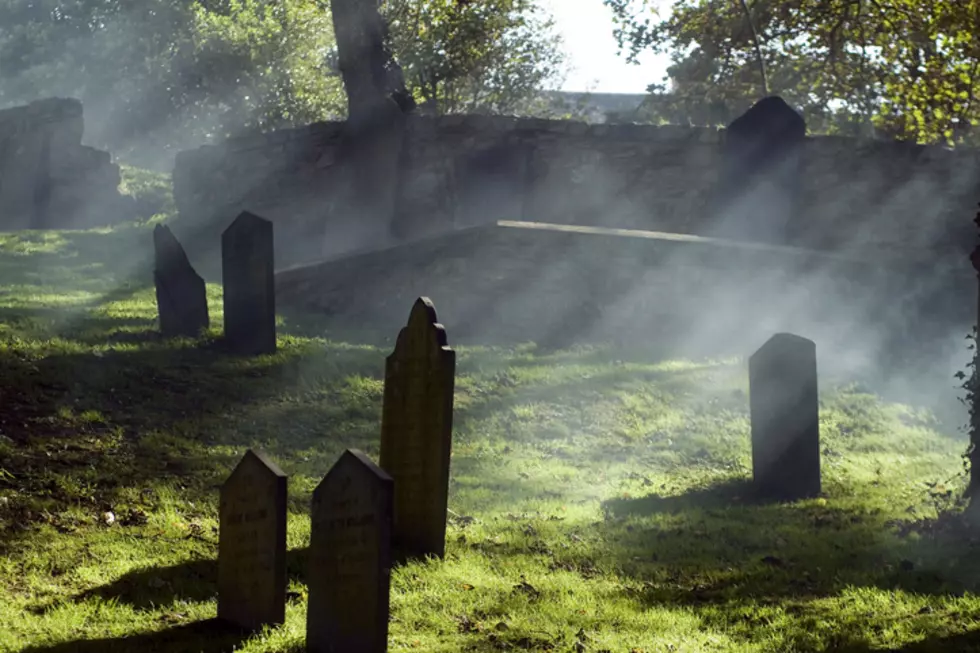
(724, 543)
(965, 642)
(152, 587)
(209, 636)
(80, 325)
(81, 428)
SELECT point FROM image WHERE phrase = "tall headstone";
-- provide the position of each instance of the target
(248, 276)
(785, 418)
(416, 432)
(252, 544)
(350, 558)
(760, 188)
(182, 300)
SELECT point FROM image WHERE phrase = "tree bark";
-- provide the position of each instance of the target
(377, 103)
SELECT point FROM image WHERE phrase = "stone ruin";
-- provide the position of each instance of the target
(48, 179)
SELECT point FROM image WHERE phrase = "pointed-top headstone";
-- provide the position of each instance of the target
(252, 544)
(350, 558)
(248, 276)
(785, 418)
(182, 300)
(416, 431)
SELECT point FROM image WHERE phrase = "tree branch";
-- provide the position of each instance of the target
(758, 47)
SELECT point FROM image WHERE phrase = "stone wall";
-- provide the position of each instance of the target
(48, 179)
(460, 171)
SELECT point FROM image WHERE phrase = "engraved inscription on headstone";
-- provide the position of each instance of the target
(252, 544)
(416, 432)
(785, 418)
(350, 558)
(248, 276)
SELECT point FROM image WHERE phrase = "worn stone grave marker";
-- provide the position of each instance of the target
(252, 544)
(785, 418)
(350, 558)
(248, 276)
(182, 300)
(760, 189)
(416, 432)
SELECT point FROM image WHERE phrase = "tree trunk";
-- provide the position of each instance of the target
(377, 101)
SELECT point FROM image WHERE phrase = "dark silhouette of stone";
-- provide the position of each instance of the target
(350, 558)
(761, 181)
(785, 418)
(248, 276)
(416, 432)
(252, 544)
(182, 300)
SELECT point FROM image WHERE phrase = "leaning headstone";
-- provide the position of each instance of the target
(182, 300)
(252, 544)
(416, 432)
(248, 276)
(760, 188)
(349, 569)
(785, 418)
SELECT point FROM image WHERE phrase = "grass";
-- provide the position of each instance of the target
(599, 498)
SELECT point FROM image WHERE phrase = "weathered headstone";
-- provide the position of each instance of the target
(182, 300)
(416, 432)
(350, 558)
(785, 418)
(252, 544)
(760, 188)
(248, 276)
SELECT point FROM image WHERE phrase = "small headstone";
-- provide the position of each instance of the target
(760, 189)
(416, 432)
(248, 276)
(785, 418)
(182, 300)
(252, 544)
(350, 559)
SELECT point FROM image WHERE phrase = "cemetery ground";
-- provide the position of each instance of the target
(599, 498)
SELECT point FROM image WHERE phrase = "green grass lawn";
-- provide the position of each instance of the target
(598, 497)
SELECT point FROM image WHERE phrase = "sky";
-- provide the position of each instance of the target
(586, 26)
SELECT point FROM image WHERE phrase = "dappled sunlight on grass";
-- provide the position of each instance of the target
(599, 496)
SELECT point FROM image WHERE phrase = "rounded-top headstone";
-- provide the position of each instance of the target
(784, 409)
(416, 431)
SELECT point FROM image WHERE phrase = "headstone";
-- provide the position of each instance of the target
(182, 299)
(350, 559)
(252, 544)
(785, 418)
(416, 432)
(248, 276)
(760, 189)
